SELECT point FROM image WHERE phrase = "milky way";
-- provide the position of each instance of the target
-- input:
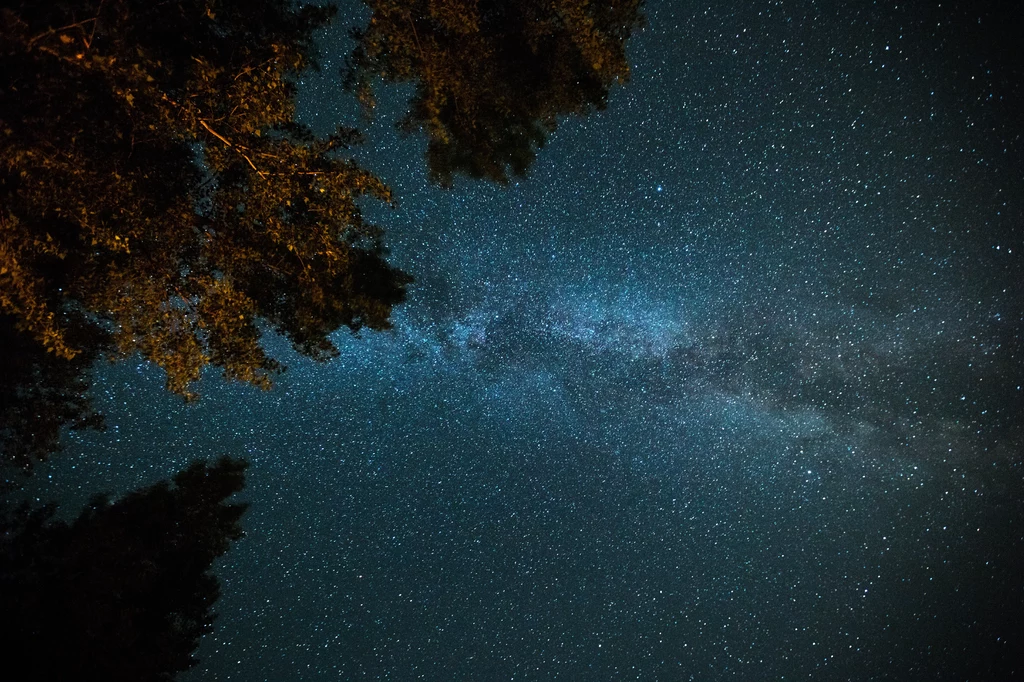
(728, 388)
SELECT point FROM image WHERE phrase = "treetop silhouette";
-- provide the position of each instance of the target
(125, 591)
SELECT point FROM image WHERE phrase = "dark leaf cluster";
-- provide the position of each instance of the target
(41, 393)
(493, 77)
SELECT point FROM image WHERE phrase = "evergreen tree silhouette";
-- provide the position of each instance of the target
(125, 591)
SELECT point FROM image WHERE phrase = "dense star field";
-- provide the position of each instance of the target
(728, 387)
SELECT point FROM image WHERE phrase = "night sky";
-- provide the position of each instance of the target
(729, 387)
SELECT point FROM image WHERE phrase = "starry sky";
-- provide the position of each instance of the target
(729, 387)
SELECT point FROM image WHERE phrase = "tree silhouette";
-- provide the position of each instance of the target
(493, 76)
(125, 591)
(40, 393)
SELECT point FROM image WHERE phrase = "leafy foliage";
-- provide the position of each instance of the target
(125, 591)
(41, 393)
(155, 187)
(158, 197)
(493, 76)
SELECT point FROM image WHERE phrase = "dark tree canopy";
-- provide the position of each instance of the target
(493, 76)
(155, 185)
(125, 591)
(40, 393)
(157, 195)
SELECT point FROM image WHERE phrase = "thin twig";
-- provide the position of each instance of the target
(228, 143)
(95, 23)
(51, 31)
(216, 134)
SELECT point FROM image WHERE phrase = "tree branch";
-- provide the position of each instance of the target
(236, 148)
(51, 31)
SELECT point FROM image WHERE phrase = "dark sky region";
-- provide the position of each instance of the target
(730, 387)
